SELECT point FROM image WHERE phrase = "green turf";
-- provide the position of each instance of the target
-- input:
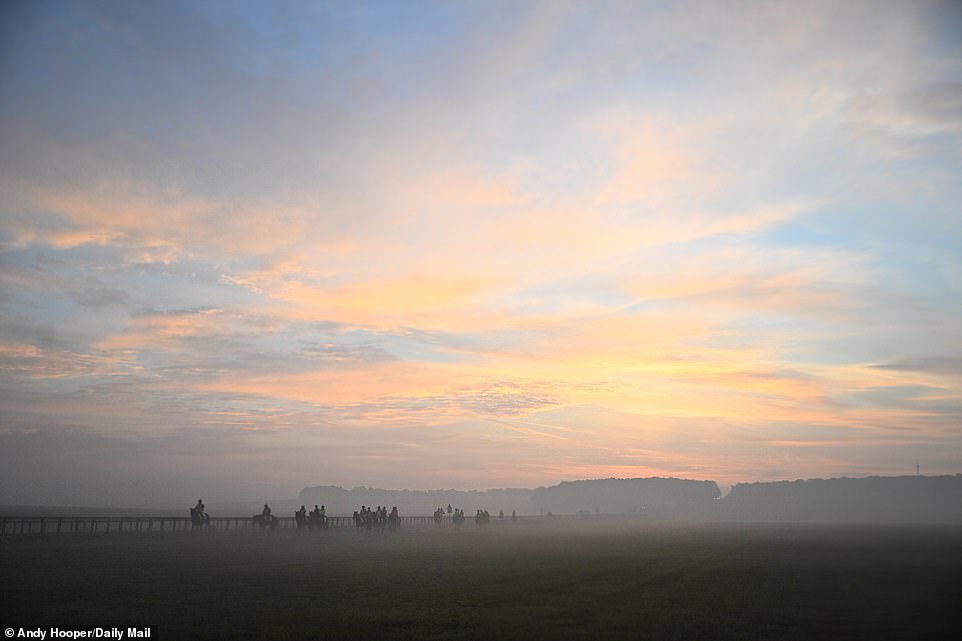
(538, 581)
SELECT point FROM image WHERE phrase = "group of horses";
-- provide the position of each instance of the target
(366, 518)
(316, 519)
(457, 517)
(377, 518)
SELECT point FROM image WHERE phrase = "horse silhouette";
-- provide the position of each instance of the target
(265, 521)
(198, 519)
(317, 521)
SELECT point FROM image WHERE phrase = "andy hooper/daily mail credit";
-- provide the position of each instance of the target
(87, 633)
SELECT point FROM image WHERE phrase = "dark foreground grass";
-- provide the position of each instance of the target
(576, 580)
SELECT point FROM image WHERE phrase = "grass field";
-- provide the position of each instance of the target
(560, 580)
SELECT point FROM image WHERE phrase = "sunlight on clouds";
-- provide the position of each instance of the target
(413, 300)
(549, 242)
(163, 330)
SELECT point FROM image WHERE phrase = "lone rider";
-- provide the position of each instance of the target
(199, 509)
(266, 513)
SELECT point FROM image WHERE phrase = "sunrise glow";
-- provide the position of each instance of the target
(472, 245)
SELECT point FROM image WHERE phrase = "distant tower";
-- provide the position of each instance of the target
(917, 466)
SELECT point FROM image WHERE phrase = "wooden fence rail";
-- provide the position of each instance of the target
(77, 525)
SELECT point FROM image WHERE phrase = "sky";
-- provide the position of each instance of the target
(247, 247)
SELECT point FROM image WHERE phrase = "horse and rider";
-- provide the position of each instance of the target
(265, 518)
(300, 518)
(198, 515)
(317, 519)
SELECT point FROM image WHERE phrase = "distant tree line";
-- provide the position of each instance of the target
(895, 499)
(876, 498)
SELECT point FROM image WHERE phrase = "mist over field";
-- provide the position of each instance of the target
(906, 499)
(610, 578)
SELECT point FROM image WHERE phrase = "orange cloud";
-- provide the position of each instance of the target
(159, 330)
